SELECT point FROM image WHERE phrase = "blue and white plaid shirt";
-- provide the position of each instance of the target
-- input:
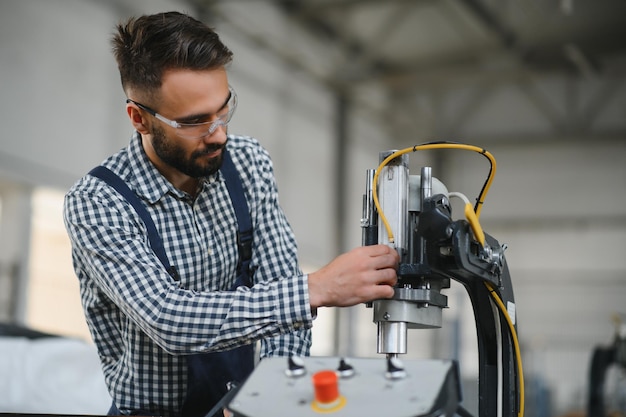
(142, 321)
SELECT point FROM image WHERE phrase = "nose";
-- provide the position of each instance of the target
(215, 134)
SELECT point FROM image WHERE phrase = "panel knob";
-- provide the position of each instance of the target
(395, 368)
(295, 367)
(345, 369)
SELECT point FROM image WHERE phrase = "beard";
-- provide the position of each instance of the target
(173, 155)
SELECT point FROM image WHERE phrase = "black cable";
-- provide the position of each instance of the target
(479, 200)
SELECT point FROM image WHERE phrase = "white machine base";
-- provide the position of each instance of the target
(429, 388)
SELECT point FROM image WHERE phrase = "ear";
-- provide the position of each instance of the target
(137, 118)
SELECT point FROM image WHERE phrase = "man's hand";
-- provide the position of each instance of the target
(364, 274)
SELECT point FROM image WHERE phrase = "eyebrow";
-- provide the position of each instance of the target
(201, 116)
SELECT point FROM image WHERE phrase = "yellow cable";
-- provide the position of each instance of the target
(474, 224)
(518, 354)
(426, 146)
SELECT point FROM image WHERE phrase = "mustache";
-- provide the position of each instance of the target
(210, 148)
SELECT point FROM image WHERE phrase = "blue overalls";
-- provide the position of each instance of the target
(209, 374)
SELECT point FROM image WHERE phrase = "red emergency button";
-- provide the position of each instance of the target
(327, 397)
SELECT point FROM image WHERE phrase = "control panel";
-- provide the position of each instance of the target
(313, 386)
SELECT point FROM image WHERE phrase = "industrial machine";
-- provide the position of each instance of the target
(603, 360)
(413, 214)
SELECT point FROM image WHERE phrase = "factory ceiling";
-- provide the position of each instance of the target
(412, 47)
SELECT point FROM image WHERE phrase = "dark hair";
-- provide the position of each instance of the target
(147, 46)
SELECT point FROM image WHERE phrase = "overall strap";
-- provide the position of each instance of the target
(153, 235)
(242, 212)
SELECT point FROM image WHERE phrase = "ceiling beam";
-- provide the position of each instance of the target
(507, 36)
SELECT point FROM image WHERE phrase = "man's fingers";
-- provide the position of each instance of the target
(388, 260)
(380, 291)
(378, 250)
(382, 256)
(385, 276)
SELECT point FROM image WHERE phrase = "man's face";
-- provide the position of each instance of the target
(179, 139)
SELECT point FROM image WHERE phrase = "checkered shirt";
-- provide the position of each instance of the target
(142, 321)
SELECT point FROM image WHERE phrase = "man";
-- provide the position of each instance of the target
(149, 323)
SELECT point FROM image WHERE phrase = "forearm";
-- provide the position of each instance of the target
(181, 321)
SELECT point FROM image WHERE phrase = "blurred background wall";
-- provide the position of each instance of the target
(559, 138)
